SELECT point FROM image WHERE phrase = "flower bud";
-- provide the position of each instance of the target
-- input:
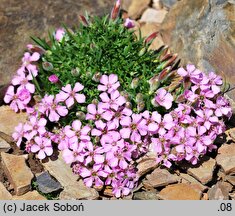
(154, 102)
(83, 20)
(95, 101)
(96, 77)
(81, 115)
(151, 37)
(164, 73)
(115, 10)
(154, 83)
(75, 71)
(125, 95)
(129, 23)
(170, 61)
(128, 105)
(139, 97)
(47, 66)
(97, 139)
(142, 51)
(140, 106)
(53, 78)
(35, 48)
(134, 83)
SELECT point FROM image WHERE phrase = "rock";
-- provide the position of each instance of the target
(205, 196)
(152, 15)
(78, 191)
(193, 181)
(7, 126)
(220, 191)
(226, 158)
(180, 192)
(160, 177)
(36, 18)
(125, 4)
(73, 189)
(146, 165)
(108, 192)
(230, 179)
(31, 195)
(157, 4)
(231, 133)
(168, 3)
(147, 29)
(203, 173)
(202, 33)
(17, 172)
(137, 8)
(47, 184)
(4, 146)
(146, 195)
(4, 194)
(61, 171)
(232, 196)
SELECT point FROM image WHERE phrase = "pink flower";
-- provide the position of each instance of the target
(129, 23)
(222, 107)
(18, 134)
(163, 98)
(18, 100)
(215, 82)
(51, 108)
(68, 94)
(194, 74)
(101, 111)
(74, 154)
(35, 126)
(59, 34)
(42, 146)
(27, 60)
(134, 127)
(53, 78)
(23, 81)
(109, 83)
(77, 133)
(115, 100)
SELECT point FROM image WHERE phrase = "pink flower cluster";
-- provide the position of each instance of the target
(102, 148)
(188, 131)
(20, 92)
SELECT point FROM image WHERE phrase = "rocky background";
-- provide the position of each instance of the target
(202, 32)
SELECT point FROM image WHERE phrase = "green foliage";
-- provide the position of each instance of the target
(103, 47)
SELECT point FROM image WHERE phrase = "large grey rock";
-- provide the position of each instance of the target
(21, 19)
(73, 189)
(47, 184)
(202, 32)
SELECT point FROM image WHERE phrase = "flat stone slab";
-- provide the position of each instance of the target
(220, 191)
(9, 119)
(136, 8)
(47, 184)
(152, 15)
(146, 165)
(78, 191)
(4, 193)
(146, 195)
(4, 146)
(226, 158)
(31, 195)
(160, 177)
(73, 189)
(17, 172)
(193, 181)
(203, 173)
(180, 192)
